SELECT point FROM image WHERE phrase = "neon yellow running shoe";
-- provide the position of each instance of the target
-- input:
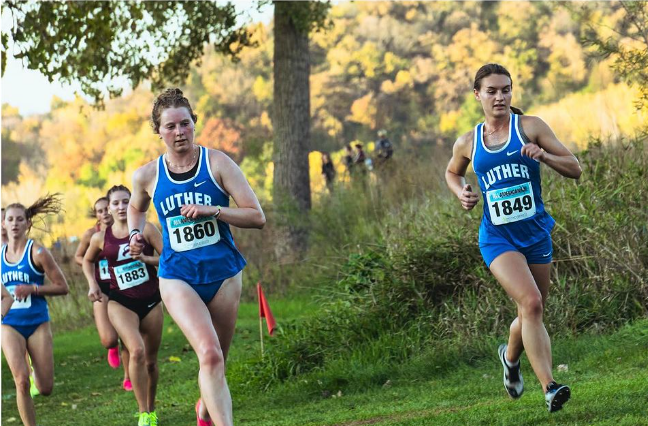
(144, 419)
(33, 390)
(153, 421)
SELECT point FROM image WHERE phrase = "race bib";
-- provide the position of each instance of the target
(188, 234)
(511, 204)
(19, 304)
(131, 274)
(104, 274)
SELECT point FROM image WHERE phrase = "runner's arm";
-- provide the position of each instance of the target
(548, 149)
(89, 260)
(7, 301)
(455, 174)
(139, 201)
(83, 246)
(44, 260)
(248, 213)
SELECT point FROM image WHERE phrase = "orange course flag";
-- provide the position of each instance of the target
(264, 310)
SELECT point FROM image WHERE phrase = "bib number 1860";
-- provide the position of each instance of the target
(188, 234)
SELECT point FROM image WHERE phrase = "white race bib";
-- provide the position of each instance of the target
(188, 234)
(104, 274)
(511, 204)
(131, 274)
(19, 304)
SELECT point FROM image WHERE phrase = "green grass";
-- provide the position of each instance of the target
(608, 375)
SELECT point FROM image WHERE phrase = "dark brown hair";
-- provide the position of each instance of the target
(117, 188)
(49, 204)
(489, 69)
(170, 98)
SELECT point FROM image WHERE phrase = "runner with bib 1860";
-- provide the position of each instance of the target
(515, 233)
(200, 267)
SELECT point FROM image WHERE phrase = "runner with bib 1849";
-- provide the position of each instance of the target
(515, 233)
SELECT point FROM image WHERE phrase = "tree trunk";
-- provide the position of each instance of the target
(291, 123)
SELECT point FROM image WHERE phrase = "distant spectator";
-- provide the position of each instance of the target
(384, 147)
(348, 158)
(328, 171)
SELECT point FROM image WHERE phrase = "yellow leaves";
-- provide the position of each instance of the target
(607, 113)
(402, 81)
(262, 89)
(174, 359)
(364, 111)
(448, 122)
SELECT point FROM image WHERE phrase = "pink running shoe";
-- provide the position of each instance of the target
(199, 421)
(113, 357)
(127, 385)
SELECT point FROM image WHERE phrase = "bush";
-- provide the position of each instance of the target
(424, 285)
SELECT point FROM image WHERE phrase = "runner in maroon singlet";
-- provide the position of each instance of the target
(134, 307)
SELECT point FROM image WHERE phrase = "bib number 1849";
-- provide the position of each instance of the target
(511, 204)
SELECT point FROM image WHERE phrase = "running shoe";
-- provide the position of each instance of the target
(33, 390)
(127, 385)
(556, 396)
(199, 421)
(144, 419)
(113, 357)
(513, 382)
(153, 420)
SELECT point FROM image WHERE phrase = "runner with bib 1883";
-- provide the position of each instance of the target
(515, 233)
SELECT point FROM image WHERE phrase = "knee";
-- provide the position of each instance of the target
(108, 342)
(22, 384)
(136, 354)
(45, 389)
(532, 307)
(212, 359)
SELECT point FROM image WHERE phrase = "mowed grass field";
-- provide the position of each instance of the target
(608, 375)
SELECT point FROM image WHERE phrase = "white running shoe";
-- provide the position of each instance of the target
(513, 382)
(556, 396)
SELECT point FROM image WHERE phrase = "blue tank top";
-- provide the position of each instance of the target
(197, 251)
(511, 191)
(33, 309)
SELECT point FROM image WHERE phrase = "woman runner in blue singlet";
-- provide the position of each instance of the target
(200, 267)
(515, 233)
(26, 327)
(107, 333)
(134, 307)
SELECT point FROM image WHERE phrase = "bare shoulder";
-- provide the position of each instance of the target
(464, 144)
(219, 158)
(145, 173)
(97, 239)
(532, 125)
(88, 234)
(40, 253)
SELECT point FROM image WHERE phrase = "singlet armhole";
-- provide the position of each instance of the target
(30, 259)
(474, 143)
(157, 176)
(211, 174)
(524, 139)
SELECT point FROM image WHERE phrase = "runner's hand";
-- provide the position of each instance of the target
(468, 198)
(22, 291)
(532, 150)
(136, 245)
(193, 211)
(94, 294)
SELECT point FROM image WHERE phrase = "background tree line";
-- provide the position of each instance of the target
(403, 66)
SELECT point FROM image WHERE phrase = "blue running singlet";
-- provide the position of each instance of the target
(197, 251)
(32, 310)
(511, 191)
